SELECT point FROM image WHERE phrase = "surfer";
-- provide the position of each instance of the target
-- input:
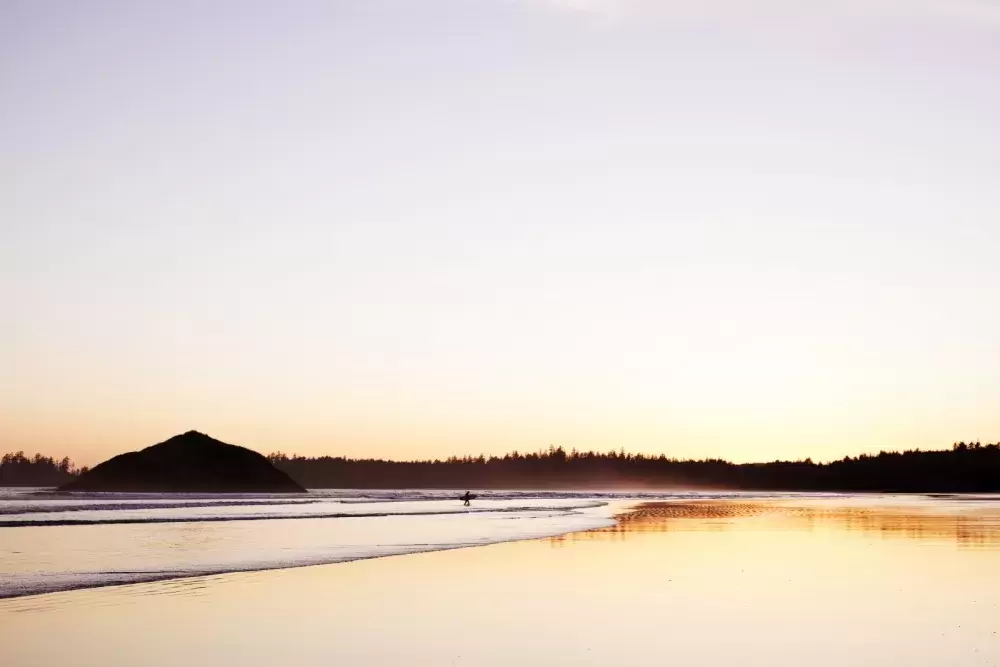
(466, 498)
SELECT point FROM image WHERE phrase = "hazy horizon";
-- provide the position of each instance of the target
(410, 230)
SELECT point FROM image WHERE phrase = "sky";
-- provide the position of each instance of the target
(414, 229)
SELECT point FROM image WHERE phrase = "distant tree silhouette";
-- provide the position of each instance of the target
(961, 469)
(16, 469)
(965, 468)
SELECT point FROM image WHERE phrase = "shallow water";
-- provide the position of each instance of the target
(52, 542)
(751, 581)
(62, 541)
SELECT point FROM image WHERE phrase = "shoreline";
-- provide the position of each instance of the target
(519, 523)
(616, 516)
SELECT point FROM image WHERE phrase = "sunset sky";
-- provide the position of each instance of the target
(412, 229)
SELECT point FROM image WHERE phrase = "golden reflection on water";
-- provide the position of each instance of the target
(975, 527)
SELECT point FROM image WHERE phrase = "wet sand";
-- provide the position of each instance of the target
(815, 582)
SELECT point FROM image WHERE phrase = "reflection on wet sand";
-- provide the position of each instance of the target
(809, 581)
(977, 527)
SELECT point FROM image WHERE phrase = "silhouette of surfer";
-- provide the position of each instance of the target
(466, 498)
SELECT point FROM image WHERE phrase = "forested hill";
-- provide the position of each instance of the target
(963, 468)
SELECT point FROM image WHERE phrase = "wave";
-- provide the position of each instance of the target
(77, 581)
(275, 517)
(149, 551)
(88, 507)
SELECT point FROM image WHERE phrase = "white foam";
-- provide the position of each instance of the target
(163, 541)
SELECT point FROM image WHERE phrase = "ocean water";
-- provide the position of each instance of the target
(53, 541)
(62, 541)
(57, 541)
(768, 580)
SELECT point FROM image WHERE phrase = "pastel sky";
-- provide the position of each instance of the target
(412, 229)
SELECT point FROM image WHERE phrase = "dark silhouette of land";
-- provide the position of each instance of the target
(195, 462)
(965, 468)
(191, 462)
(16, 469)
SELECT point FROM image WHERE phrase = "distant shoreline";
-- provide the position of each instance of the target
(965, 468)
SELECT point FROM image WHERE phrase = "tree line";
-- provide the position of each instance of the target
(966, 467)
(16, 469)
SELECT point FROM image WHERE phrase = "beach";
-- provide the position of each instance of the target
(598, 333)
(786, 581)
